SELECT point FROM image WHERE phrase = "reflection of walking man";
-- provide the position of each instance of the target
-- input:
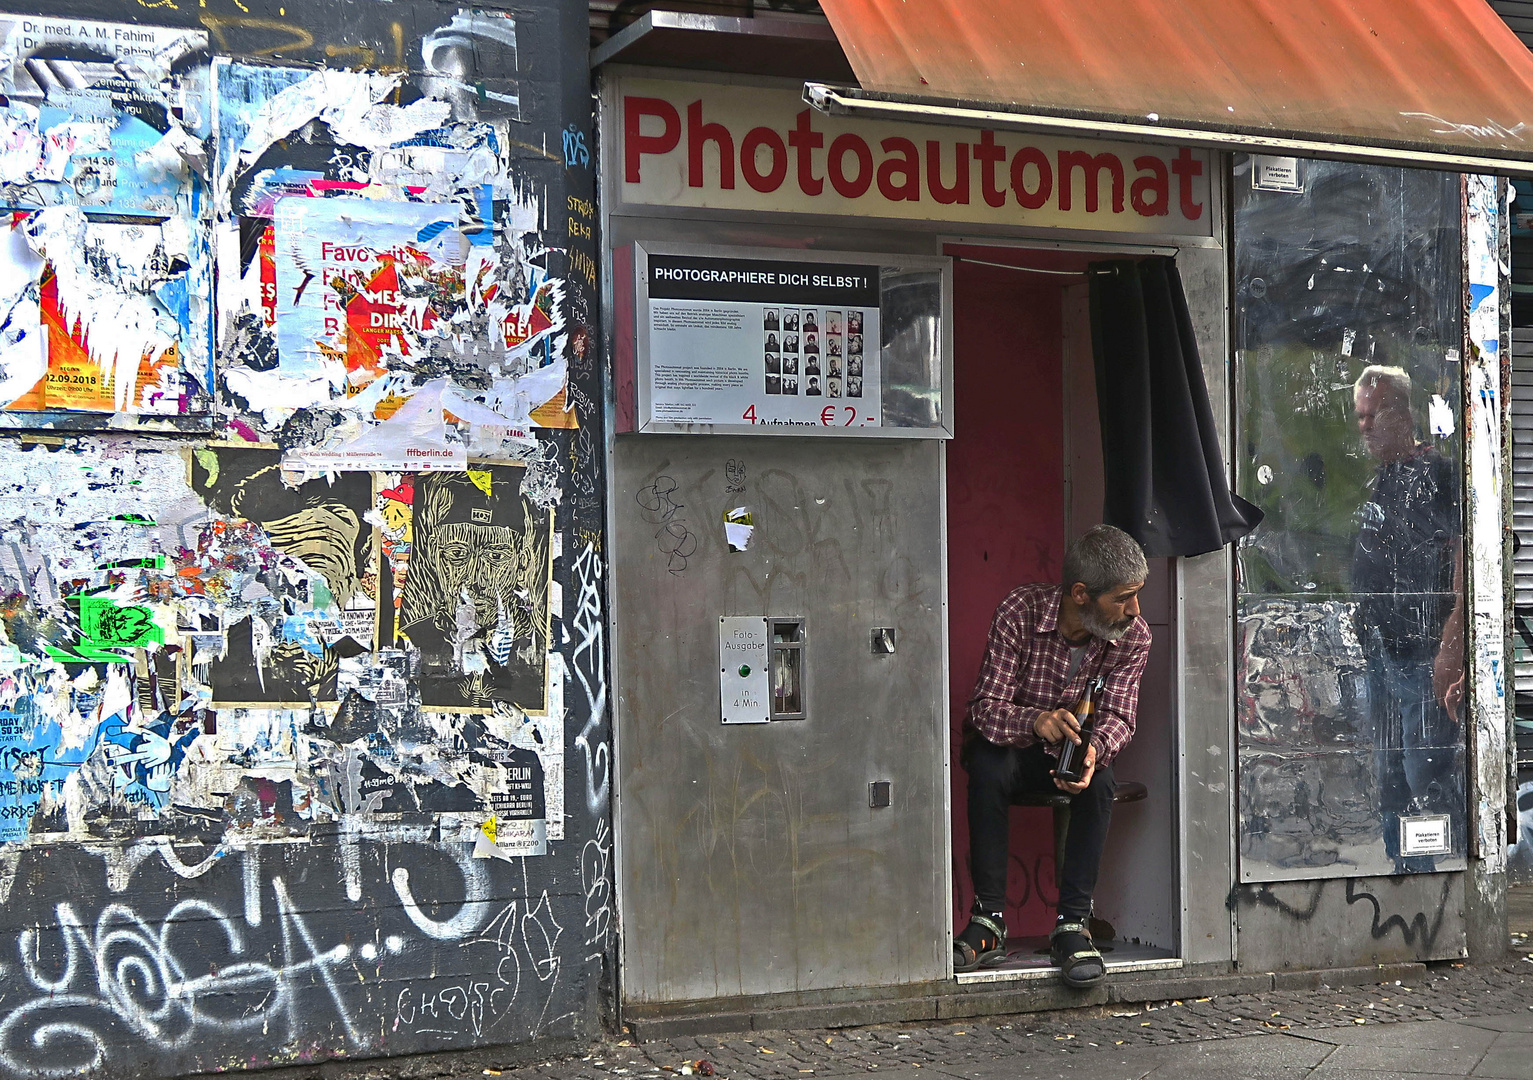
(1402, 573)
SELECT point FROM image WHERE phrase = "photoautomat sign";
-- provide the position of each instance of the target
(763, 342)
(728, 147)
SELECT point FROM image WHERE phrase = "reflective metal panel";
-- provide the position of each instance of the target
(1350, 665)
(1298, 925)
(753, 862)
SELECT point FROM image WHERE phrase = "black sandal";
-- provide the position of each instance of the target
(982, 943)
(1072, 949)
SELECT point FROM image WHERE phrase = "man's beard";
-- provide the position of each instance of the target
(1097, 626)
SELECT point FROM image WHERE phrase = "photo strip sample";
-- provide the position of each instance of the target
(820, 339)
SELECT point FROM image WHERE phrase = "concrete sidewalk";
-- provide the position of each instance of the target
(1452, 1020)
(1498, 1047)
(1458, 1021)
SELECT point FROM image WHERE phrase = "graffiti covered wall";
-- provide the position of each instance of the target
(303, 733)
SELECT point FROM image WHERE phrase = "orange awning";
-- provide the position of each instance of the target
(1431, 83)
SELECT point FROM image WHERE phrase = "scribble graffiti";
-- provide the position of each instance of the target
(1263, 896)
(1421, 929)
(124, 972)
(1417, 929)
(735, 476)
(230, 967)
(674, 539)
(575, 150)
(595, 877)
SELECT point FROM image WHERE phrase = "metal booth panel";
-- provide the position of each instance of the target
(1206, 762)
(753, 860)
(1350, 922)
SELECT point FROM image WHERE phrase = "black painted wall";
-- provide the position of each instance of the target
(131, 948)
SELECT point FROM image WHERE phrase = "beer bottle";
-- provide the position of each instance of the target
(1072, 756)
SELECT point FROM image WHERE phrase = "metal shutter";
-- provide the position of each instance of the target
(1517, 14)
(1522, 486)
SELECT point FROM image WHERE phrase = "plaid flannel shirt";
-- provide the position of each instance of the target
(1025, 668)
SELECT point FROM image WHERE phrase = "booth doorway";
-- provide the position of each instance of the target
(1024, 476)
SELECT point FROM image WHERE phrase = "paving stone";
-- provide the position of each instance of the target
(1522, 1021)
(1133, 1065)
(1249, 1059)
(1366, 1074)
(1393, 1059)
(1428, 1035)
(1505, 1065)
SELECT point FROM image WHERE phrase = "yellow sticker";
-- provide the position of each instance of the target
(481, 479)
(488, 828)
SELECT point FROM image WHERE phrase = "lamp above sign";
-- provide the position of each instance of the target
(729, 147)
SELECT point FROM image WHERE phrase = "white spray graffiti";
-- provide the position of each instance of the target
(475, 910)
(589, 663)
(203, 970)
(596, 877)
(143, 977)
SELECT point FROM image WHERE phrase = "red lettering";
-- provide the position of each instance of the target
(635, 143)
(850, 187)
(699, 133)
(1091, 172)
(989, 155)
(908, 164)
(959, 192)
(1186, 167)
(805, 141)
(1031, 155)
(1156, 184)
(777, 171)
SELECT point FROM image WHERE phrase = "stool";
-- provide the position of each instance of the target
(1127, 791)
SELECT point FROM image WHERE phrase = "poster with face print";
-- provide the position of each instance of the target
(476, 593)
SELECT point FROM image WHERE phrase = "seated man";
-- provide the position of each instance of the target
(1046, 643)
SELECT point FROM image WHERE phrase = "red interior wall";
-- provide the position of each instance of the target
(1005, 504)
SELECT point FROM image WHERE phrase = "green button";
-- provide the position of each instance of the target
(745, 671)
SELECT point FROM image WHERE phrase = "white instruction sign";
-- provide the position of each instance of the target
(744, 687)
(765, 342)
(1426, 834)
(1275, 174)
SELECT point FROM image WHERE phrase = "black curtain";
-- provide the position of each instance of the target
(1165, 476)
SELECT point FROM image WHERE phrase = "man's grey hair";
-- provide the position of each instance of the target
(1393, 381)
(1103, 558)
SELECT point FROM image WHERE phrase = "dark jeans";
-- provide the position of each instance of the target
(1416, 754)
(999, 773)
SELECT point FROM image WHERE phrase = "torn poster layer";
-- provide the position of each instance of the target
(382, 249)
(342, 606)
(105, 248)
(222, 648)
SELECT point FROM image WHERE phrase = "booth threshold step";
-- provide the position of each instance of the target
(1028, 958)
